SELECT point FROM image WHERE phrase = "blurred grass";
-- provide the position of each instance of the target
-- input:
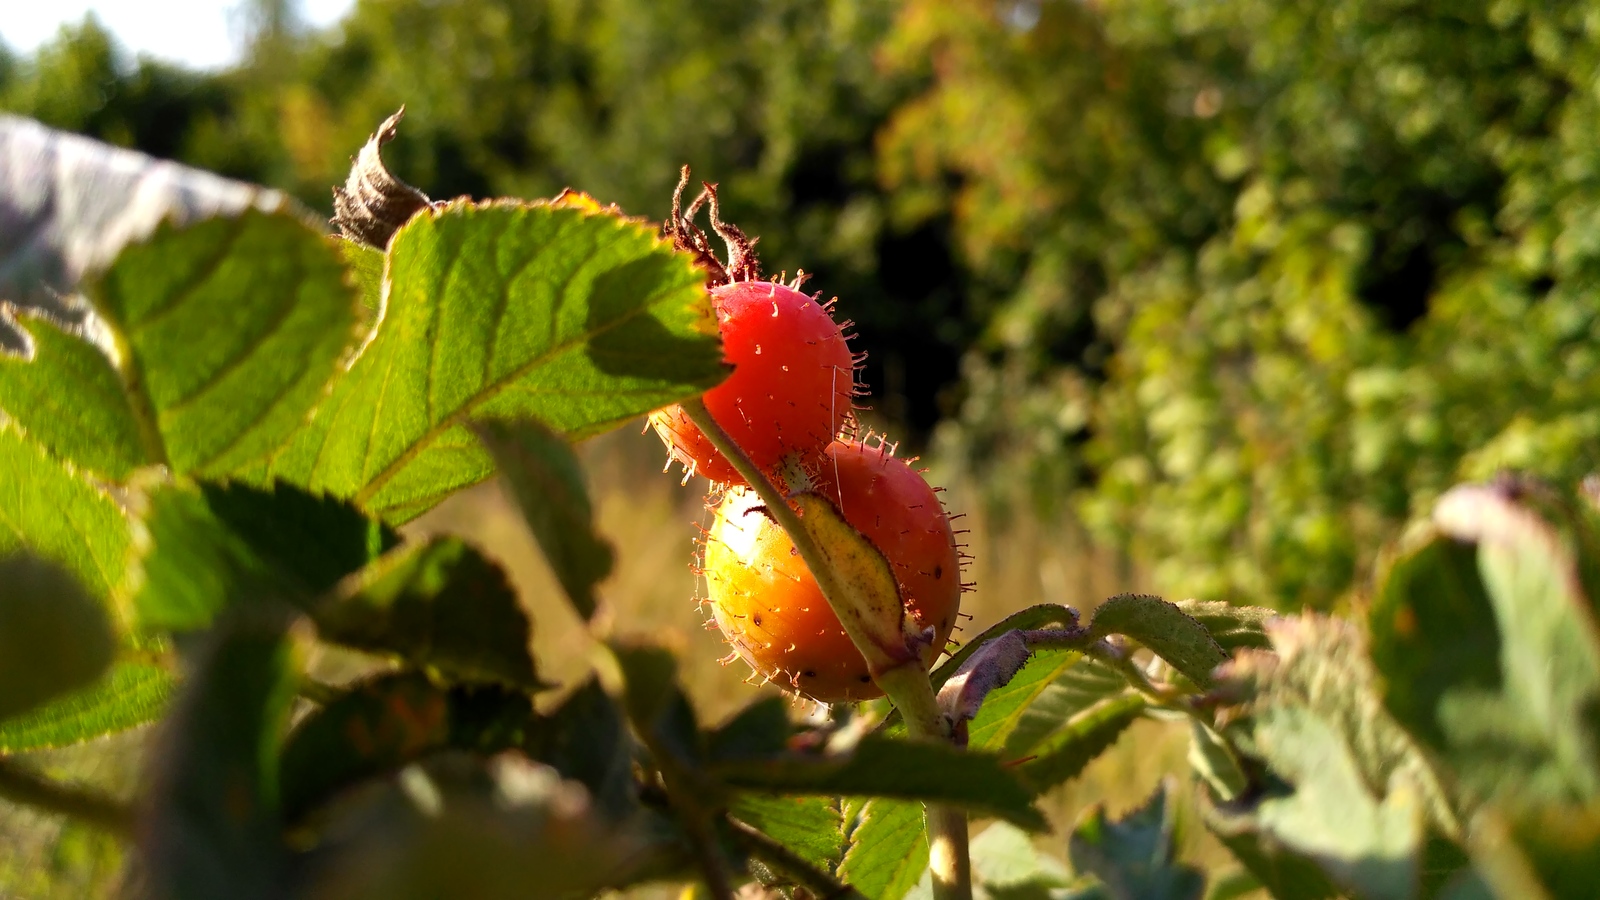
(653, 520)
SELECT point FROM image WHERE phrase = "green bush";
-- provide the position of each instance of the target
(1282, 271)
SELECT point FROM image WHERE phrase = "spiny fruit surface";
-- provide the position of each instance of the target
(769, 605)
(790, 389)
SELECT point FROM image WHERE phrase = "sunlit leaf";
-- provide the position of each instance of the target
(222, 335)
(888, 848)
(578, 319)
(1168, 631)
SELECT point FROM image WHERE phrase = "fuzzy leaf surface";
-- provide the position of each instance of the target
(1168, 631)
(1232, 627)
(576, 318)
(1486, 635)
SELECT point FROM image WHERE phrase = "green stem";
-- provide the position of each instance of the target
(19, 785)
(906, 683)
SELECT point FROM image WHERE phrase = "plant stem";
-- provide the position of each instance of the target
(19, 785)
(906, 683)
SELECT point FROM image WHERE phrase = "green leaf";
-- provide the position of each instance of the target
(907, 770)
(64, 390)
(1080, 685)
(54, 638)
(438, 604)
(1233, 885)
(1284, 873)
(1007, 864)
(547, 481)
(1134, 857)
(1369, 844)
(1164, 628)
(1344, 786)
(383, 723)
(576, 318)
(812, 827)
(1214, 760)
(1041, 616)
(1060, 757)
(1232, 627)
(1005, 707)
(213, 827)
(888, 848)
(51, 512)
(1321, 668)
(131, 694)
(365, 265)
(206, 547)
(1489, 648)
(225, 333)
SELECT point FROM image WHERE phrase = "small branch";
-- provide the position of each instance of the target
(697, 824)
(19, 785)
(786, 862)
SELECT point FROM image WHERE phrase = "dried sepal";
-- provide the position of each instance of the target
(373, 204)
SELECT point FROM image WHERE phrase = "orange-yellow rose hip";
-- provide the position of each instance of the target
(771, 609)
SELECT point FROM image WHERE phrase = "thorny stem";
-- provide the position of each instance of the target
(19, 785)
(906, 685)
(788, 863)
(1160, 696)
(697, 822)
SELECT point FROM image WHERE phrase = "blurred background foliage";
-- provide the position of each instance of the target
(1237, 286)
